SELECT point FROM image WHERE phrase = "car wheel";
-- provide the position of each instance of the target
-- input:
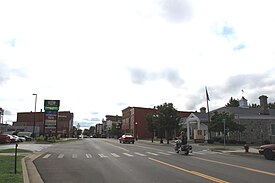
(268, 154)
(187, 152)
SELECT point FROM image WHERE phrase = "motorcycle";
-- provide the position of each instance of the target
(185, 149)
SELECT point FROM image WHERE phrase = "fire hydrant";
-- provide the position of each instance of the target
(246, 147)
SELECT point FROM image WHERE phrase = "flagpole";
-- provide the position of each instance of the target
(207, 99)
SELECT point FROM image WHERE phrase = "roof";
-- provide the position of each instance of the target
(246, 113)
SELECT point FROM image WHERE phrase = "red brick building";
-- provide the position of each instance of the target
(134, 121)
(64, 122)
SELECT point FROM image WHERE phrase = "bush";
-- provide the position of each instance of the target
(40, 138)
(232, 142)
(217, 139)
(52, 139)
(241, 142)
(210, 141)
(266, 142)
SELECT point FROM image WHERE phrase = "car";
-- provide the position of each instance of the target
(19, 139)
(127, 139)
(5, 138)
(27, 138)
(268, 151)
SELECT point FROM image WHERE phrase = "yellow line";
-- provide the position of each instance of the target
(237, 166)
(191, 172)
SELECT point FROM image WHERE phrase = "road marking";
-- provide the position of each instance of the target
(148, 148)
(115, 155)
(163, 153)
(60, 156)
(88, 155)
(102, 156)
(237, 166)
(74, 155)
(117, 146)
(140, 154)
(171, 152)
(152, 153)
(127, 154)
(47, 156)
(191, 172)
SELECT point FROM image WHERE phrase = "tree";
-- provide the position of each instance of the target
(232, 103)
(217, 124)
(271, 105)
(254, 106)
(167, 118)
(152, 124)
(115, 130)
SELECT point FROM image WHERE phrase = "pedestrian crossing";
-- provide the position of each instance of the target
(116, 155)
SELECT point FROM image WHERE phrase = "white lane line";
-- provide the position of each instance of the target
(170, 152)
(198, 152)
(140, 154)
(60, 156)
(74, 156)
(152, 153)
(102, 156)
(47, 156)
(115, 155)
(164, 153)
(127, 154)
(88, 155)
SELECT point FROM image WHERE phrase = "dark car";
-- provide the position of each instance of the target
(268, 151)
(127, 139)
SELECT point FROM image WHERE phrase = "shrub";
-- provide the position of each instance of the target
(52, 139)
(40, 138)
(266, 142)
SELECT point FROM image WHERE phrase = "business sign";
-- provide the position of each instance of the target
(51, 103)
(51, 108)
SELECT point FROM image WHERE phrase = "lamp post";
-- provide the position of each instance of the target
(223, 133)
(33, 129)
(136, 131)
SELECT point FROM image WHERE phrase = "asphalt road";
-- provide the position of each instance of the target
(106, 160)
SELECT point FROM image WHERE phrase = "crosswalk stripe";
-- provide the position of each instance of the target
(102, 156)
(171, 152)
(115, 155)
(88, 155)
(164, 153)
(47, 156)
(74, 155)
(60, 156)
(140, 154)
(127, 154)
(152, 153)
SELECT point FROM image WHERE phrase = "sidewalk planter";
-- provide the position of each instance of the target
(246, 148)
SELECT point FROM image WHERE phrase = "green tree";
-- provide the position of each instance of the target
(217, 124)
(167, 118)
(271, 105)
(152, 124)
(254, 106)
(86, 132)
(115, 130)
(232, 103)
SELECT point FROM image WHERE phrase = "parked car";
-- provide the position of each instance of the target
(268, 151)
(27, 138)
(127, 139)
(5, 138)
(19, 139)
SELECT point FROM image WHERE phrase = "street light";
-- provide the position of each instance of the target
(34, 115)
(136, 131)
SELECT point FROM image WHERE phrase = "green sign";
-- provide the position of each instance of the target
(51, 108)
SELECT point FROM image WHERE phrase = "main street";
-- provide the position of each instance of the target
(106, 160)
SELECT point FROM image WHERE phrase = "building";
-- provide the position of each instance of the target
(109, 122)
(134, 121)
(259, 122)
(25, 122)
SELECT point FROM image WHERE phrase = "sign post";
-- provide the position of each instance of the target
(51, 108)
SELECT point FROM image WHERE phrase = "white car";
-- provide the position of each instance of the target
(19, 139)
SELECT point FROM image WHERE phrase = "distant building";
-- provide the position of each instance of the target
(25, 122)
(108, 123)
(134, 121)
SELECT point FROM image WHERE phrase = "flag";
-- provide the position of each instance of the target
(207, 96)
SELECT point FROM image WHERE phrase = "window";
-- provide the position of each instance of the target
(272, 129)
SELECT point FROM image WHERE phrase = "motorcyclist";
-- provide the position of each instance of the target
(183, 139)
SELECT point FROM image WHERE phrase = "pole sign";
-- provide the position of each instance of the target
(51, 108)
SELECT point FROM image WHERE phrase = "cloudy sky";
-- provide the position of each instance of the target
(99, 56)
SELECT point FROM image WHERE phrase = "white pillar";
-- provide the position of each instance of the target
(188, 131)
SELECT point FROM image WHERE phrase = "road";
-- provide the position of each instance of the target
(106, 160)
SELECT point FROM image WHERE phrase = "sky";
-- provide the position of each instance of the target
(100, 56)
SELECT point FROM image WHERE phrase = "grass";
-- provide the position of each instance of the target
(12, 151)
(7, 174)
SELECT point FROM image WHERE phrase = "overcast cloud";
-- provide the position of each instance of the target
(99, 57)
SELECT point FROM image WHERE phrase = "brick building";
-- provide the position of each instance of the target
(134, 121)
(26, 119)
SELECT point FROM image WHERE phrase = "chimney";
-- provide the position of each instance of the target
(203, 110)
(263, 105)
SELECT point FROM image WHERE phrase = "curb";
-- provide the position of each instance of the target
(30, 173)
